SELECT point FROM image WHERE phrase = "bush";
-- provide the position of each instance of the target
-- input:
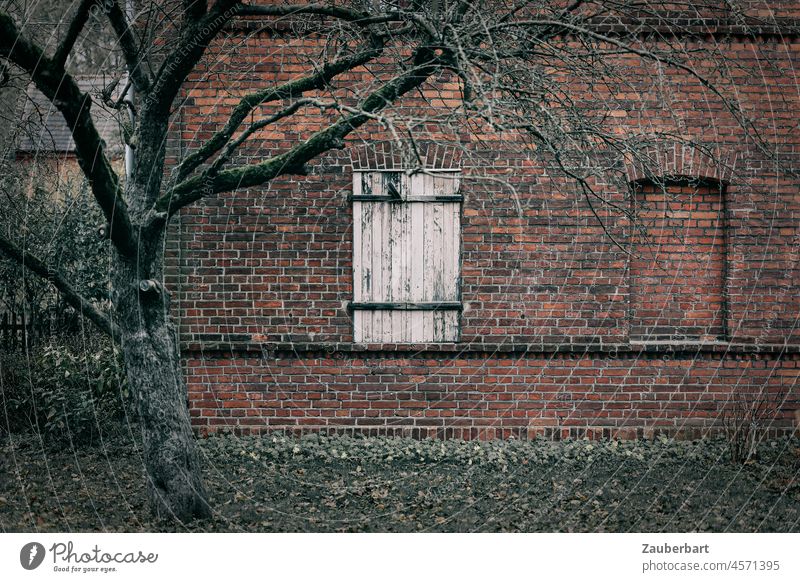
(52, 215)
(746, 418)
(65, 389)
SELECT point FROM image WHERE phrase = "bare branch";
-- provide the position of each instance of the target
(120, 102)
(665, 60)
(254, 127)
(130, 48)
(351, 15)
(293, 161)
(75, 28)
(195, 37)
(289, 90)
(70, 294)
(192, 44)
(61, 89)
(627, 47)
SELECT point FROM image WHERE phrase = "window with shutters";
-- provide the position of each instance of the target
(406, 257)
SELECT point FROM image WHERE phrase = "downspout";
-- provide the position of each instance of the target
(129, 99)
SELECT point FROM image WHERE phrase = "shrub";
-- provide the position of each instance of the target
(52, 215)
(64, 389)
(745, 420)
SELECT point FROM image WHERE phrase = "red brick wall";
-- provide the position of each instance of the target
(486, 395)
(263, 277)
(678, 264)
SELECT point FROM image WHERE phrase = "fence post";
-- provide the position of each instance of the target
(24, 328)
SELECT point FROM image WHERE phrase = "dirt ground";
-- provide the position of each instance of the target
(347, 484)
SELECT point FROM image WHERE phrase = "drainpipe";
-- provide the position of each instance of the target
(129, 99)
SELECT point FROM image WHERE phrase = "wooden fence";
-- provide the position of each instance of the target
(17, 331)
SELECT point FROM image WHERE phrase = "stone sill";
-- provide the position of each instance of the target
(455, 349)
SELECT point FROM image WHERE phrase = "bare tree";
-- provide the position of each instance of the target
(514, 64)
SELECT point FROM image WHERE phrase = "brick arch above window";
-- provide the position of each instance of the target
(675, 161)
(388, 156)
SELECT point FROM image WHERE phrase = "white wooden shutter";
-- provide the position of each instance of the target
(406, 257)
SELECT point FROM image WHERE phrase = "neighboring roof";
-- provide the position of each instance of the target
(44, 129)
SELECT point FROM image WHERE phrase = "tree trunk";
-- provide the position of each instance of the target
(150, 350)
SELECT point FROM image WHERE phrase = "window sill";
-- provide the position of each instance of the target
(486, 349)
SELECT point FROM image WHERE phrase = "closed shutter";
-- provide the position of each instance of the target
(406, 257)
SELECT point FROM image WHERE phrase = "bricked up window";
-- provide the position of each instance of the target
(406, 257)
(678, 267)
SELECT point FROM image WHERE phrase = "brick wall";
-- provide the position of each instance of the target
(627, 394)
(556, 306)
